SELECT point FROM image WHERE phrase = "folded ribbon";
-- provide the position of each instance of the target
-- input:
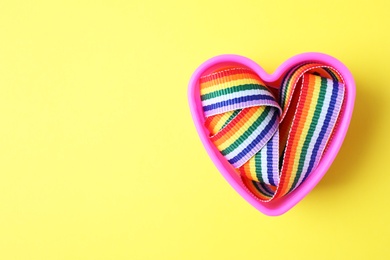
(273, 143)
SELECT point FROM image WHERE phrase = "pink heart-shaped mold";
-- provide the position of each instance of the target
(285, 203)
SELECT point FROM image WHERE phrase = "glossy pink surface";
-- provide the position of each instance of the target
(284, 204)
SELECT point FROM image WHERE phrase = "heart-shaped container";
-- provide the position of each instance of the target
(285, 203)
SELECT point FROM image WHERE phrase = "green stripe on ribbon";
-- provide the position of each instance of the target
(232, 90)
(247, 133)
(258, 167)
(312, 128)
(232, 116)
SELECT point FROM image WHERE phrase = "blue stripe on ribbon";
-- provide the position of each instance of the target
(324, 128)
(270, 162)
(263, 188)
(257, 140)
(237, 101)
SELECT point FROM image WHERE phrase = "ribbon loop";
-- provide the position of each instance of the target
(273, 145)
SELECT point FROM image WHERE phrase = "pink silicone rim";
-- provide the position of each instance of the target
(286, 203)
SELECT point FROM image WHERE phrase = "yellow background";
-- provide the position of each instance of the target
(99, 158)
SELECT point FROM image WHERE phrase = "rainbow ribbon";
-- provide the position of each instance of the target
(273, 143)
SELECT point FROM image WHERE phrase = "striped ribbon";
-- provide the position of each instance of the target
(274, 138)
